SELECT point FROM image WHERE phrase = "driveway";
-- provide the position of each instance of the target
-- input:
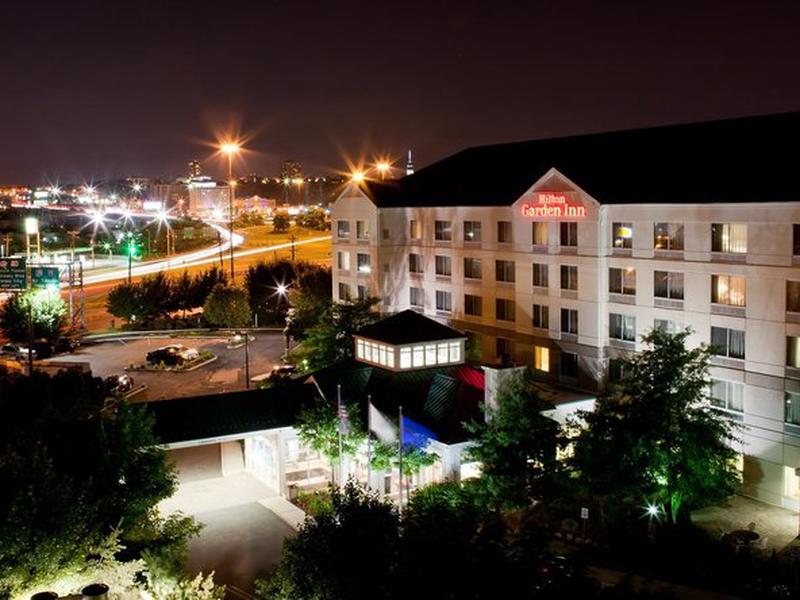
(223, 375)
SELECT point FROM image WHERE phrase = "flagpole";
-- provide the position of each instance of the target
(369, 440)
(400, 482)
(339, 428)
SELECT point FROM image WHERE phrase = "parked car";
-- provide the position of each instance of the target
(280, 372)
(16, 351)
(119, 384)
(171, 355)
(67, 344)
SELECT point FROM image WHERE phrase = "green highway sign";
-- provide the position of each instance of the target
(12, 275)
(45, 277)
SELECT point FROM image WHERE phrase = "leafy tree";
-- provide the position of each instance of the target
(318, 428)
(315, 218)
(658, 432)
(76, 467)
(386, 456)
(517, 446)
(182, 293)
(309, 296)
(347, 553)
(122, 301)
(46, 309)
(204, 282)
(227, 307)
(280, 223)
(261, 282)
(151, 297)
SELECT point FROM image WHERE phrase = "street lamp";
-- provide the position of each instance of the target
(229, 149)
(357, 176)
(383, 168)
(282, 291)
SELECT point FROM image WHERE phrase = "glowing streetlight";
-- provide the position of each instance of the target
(357, 176)
(383, 168)
(229, 149)
(137, 187)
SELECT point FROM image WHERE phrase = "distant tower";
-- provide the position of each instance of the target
(409, 165)
(194, 169)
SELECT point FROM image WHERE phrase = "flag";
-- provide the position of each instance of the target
(344, 418)
(415, 434)
(383, 428)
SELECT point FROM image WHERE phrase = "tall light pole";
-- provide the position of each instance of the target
(230, 148)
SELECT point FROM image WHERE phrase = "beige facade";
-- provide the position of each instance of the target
(569, 294)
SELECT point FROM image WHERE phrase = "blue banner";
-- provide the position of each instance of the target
(416, 434)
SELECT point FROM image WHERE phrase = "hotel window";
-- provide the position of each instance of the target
(539, 233)
(503, 347)
(360, 349)
(343, 261)
(569, 365)
(442, 231)
(473, 305)
(344, 292)
(541, 316)
(622, 281)
(793, 296)
(472, 231)
(362, 291)
(443, 266)
(796, 239)
(504, 232)
(792, 413)
(729, 237)
(569, 277)
(668, 236)
(363, 263)
(405, 358)
(504, 309)
(728, 342)
(622, 327)
(727, 289)
(444, 301)
(540, 278)
(455, 351)
(414, 229)
(569, 233)
(793, 352)
(362, 230)
(472, 268)
(667, 284)
(728, 395)
(343, 229)
(569, 320)
(504, 270)
(665, 325)
(622, 235)
(541, 358)
(415, 263)
(418, 356)
(430, 355)
(416, 296)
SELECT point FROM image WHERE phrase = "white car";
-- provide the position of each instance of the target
(16, 351)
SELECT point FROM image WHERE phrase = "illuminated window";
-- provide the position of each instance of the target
(418, 356)
(414, 229)
(442, 354)
(568, 233)
(444, 301)
(793, 296)
(360, 349)
(539, 233)
(405, 358)
(430, 355)
(727, 289)
(569, 277)
(667, 284)
(792, 412)
(504, 270)
(728, 342)
(443, 266)
(504, 309)
(416, 296)
(415, 263)
(793, 352)
(541, 316)
(622, 235)
(364, 263)
(455, 351)
(390, 358)
(668, 236)
(728, 395)
(729, 237)
(540, 278)
(504, 232)
(473, 305)
(569, 320)
(442, 231)
(362, 230)
(472, 231)
(472, 268)
(541, 358)
(622, 327)
(622, 281)
(343, 229)
(343, 260)
(344, 291)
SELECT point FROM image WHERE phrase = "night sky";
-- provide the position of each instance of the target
(90, 90)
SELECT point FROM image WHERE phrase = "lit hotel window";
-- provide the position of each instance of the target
(442, 231)
(363, 263)
(622, 327)
(362, 230)
(667, 284)
(727, 289)
(668, 236)
(539, 233)
(472, 268)
(343, 260)
(343, 229)
(728, 395)
(414, 229)
(541, 358)
(622, 235)
(793, 296)
(729, 237)
(622, 281)
(793, 352)
(569, 234)
(472, 231)
(728, 342)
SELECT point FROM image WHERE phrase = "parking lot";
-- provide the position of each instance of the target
(223, 375)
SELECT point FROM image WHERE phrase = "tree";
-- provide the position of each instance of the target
(517, 446)
(227, 307)
(151, 297)
(204, 282)
(182, 293)
(315, 218)
(280, 223)
(76, 467)
(261, 282)
(44, 307)
(122, 301)
(659, 427)
(318, 428)
(309, 296)
(386, 456)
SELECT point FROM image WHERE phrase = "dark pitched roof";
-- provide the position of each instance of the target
(205, 417)
(733, 160)
(408, 327)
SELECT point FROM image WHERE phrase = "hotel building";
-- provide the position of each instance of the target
(560, 253)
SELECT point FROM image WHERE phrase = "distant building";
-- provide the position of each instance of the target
(172, 196)
(291, 170)
(208, 197)
(409, 165)
(195, 170)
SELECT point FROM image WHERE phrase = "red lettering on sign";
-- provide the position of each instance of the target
(554, 205)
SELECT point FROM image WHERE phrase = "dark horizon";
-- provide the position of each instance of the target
(94, 93)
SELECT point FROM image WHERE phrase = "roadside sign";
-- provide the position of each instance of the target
(12, 275)
(45, 277)
(584, 513)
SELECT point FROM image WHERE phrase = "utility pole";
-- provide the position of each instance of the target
(231, 192)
